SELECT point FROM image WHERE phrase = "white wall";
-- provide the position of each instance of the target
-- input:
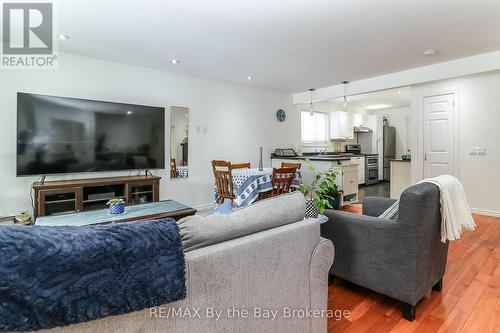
(479, 117)
(238, 120)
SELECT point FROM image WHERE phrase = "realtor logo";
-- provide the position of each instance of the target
(27, 35)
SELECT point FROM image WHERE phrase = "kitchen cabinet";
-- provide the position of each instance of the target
(306, 174)
(400, 177)
(341, 125)
(347, 177)
(360, 162)
(349, 183)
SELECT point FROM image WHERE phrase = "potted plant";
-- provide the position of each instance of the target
(116, 206)
(331, 190)
(315, 193)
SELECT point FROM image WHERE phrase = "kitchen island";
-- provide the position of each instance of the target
(400, 177)
(331, 158)
(347, 178)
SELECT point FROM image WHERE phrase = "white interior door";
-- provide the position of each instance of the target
(438, 135)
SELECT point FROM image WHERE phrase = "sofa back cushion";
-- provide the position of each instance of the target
(197, 231)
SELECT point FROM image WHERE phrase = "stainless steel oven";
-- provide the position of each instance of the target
(372, 160)
(371, 169)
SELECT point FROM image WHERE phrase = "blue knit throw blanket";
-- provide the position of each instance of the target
(55, 276)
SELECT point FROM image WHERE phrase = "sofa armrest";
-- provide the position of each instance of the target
(374, 206)
(321, 261)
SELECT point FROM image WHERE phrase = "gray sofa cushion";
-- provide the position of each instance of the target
(197, 231)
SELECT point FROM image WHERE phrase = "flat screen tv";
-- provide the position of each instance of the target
(70, 135)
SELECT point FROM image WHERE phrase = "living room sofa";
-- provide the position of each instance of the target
(265, 259)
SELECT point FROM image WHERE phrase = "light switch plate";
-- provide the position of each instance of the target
(481, 150)
(478, 150)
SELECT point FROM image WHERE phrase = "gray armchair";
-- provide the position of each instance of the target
(403, 258)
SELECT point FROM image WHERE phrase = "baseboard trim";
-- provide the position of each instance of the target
(485, 212)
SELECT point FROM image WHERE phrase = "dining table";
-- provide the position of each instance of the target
(248, 183)
(182, 171)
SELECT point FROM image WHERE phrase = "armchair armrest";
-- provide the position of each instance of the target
(372, 252)
(358, 221)
(374, 206)
(370, 237)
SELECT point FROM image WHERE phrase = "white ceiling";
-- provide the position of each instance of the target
(287, 45)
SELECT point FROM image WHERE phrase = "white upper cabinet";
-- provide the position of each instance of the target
(341, 125)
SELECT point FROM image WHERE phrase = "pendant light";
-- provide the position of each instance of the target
(311, 107)
(346, 95)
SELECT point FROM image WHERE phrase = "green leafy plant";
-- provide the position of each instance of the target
(115, 201)
(330, 188)
(321, 189)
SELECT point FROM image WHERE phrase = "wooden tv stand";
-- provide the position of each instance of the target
(77, 195)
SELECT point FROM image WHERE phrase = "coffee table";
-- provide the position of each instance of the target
(134, 213)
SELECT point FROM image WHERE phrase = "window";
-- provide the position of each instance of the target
(314, 128)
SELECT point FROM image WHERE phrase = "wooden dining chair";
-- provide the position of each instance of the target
(173, 168)
(282, 180)
(291, 165)
(223, 181)
(240, 165)
(297, 166)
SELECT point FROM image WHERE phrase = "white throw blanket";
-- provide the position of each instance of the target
(455, 213)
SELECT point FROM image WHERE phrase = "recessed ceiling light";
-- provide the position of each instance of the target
(429, 52)
(400, 92)
(63, 37)
(129, 112)
(174, 61)
(249, 77)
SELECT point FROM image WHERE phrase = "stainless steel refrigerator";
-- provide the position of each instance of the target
(389, 150)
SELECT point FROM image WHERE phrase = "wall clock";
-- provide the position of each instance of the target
(281, 115)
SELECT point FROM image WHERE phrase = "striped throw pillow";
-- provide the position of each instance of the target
(391, 212)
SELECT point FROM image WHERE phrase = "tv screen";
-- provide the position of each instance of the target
(70, 135)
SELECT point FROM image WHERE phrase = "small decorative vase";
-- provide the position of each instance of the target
(260, 161)
(311, 210)
(117, 209)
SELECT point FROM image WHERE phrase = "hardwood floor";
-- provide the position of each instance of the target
(469, 302)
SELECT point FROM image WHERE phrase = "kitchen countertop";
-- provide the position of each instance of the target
(348, 164)
(399, 160)
(315, 158)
